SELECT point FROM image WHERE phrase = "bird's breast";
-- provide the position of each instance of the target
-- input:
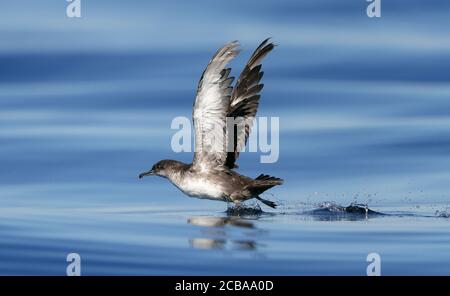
(201, 187)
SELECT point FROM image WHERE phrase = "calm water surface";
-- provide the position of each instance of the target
(86, 105)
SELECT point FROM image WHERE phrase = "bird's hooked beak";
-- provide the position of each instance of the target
(149, 173)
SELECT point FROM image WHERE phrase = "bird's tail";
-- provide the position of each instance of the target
(266, 180)
(263, 183)
(269, 178)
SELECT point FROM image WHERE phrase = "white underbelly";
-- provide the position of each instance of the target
(201, 188)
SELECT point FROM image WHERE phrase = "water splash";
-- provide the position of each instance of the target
(332, 209)
(244, 210)
(442, 214)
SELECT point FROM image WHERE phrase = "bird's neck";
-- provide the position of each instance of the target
(176, 175)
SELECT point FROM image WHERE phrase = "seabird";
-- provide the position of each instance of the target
(211, 175)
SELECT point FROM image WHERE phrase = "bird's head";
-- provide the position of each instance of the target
(162, 168)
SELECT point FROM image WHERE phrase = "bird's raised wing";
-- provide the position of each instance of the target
(210, 109)
(244, 103)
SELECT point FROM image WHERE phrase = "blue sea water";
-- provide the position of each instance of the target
(86, 105)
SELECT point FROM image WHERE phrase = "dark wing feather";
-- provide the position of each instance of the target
(244, 102)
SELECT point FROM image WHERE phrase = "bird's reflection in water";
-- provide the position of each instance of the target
(207, 243)
(223, 233)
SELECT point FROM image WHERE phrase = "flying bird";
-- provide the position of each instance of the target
(211, 175)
